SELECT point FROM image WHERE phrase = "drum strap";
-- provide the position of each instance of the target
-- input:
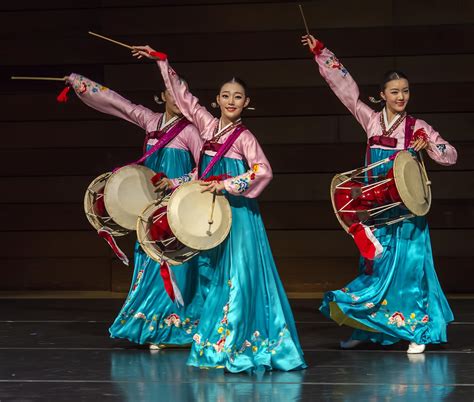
(164, 137)
(221, 149)
(409, 128)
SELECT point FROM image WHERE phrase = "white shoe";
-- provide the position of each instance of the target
(414, 348)
(350, 343)
(154, 347)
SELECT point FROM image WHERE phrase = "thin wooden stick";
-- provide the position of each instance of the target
(38, 78)
(304, 19)
(112, 40)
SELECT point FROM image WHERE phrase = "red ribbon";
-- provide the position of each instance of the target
(159, 55)
(107, 236)
(318, 48)
(165, 275)
(62, 97)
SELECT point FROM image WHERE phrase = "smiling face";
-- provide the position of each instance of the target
(170, 104)
(396, 95)
(232, 100)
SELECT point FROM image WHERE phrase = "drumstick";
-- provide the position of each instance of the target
(111, 40)
(38, 78)
(304, 19)
(211, 220)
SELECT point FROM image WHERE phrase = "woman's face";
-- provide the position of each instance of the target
(232, 101)
(396, 95)
(171, 108)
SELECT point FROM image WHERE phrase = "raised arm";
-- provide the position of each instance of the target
(186, 101)
(107, 101)
(340, 81)
(253, 182)
(437, 148)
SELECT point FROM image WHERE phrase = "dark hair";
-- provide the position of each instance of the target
(235, 80)
(390, 76)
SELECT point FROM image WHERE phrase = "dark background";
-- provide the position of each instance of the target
(50, 152)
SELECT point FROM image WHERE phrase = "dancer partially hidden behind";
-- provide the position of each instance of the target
(148, 315)
(397, 296)
(246, 321)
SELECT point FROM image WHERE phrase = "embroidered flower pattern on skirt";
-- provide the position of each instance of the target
(172, 320)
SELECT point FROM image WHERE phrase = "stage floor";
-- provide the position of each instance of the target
(59, 350)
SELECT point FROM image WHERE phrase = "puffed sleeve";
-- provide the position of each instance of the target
(188, 104)
(343, 86)
(439, 149)
(193, 141)
(107, 101)
(251, 183)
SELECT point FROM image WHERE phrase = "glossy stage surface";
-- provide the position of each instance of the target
(59, 350)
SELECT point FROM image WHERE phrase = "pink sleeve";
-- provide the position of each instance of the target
(343, 86)
(107, 101)
(251, 183)
(193, 175)
(187, 103)
(193, 142)
(439, 149)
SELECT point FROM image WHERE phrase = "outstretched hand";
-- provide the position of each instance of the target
(144, 51)
(310, 41)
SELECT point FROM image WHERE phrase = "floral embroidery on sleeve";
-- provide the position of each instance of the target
(240, 184)
(441, 148)
(83, 85)
(334, 63)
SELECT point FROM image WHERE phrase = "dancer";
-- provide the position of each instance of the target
(396, 296)
(246, 322)
(148, 315)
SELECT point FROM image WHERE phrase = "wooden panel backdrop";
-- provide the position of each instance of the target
(50, 152)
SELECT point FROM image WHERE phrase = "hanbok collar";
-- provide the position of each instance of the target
(227, 127)
(165, 124)
(388, 125)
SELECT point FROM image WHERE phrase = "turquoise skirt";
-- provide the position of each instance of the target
(398, 296)
(246, 320)
(148, 314)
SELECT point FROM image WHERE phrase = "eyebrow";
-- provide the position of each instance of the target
(228, 92)
(396, 89)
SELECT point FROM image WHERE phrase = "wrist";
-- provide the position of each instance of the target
(318, 48)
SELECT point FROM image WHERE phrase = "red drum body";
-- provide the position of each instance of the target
(405, 185)
(183, 223)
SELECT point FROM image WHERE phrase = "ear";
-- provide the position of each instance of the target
(163, 97)
(247, 101)
(218, 99)
(382, 95)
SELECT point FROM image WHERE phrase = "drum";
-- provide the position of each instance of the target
(406, 185)
(182, 224)
(115, 200)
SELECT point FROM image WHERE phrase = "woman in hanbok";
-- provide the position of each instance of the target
(396, 296)
(246, 322)
(148, 315)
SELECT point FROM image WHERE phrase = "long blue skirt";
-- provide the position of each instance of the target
(148, 314)
(398, 296)
(246, 321)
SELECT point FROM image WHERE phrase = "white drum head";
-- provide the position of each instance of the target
(412, 183)
(127, 192)
(189, 214)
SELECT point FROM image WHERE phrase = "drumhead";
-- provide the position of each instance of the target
(412, 181)
(189, 212)
(127, 192)
(95, 190)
